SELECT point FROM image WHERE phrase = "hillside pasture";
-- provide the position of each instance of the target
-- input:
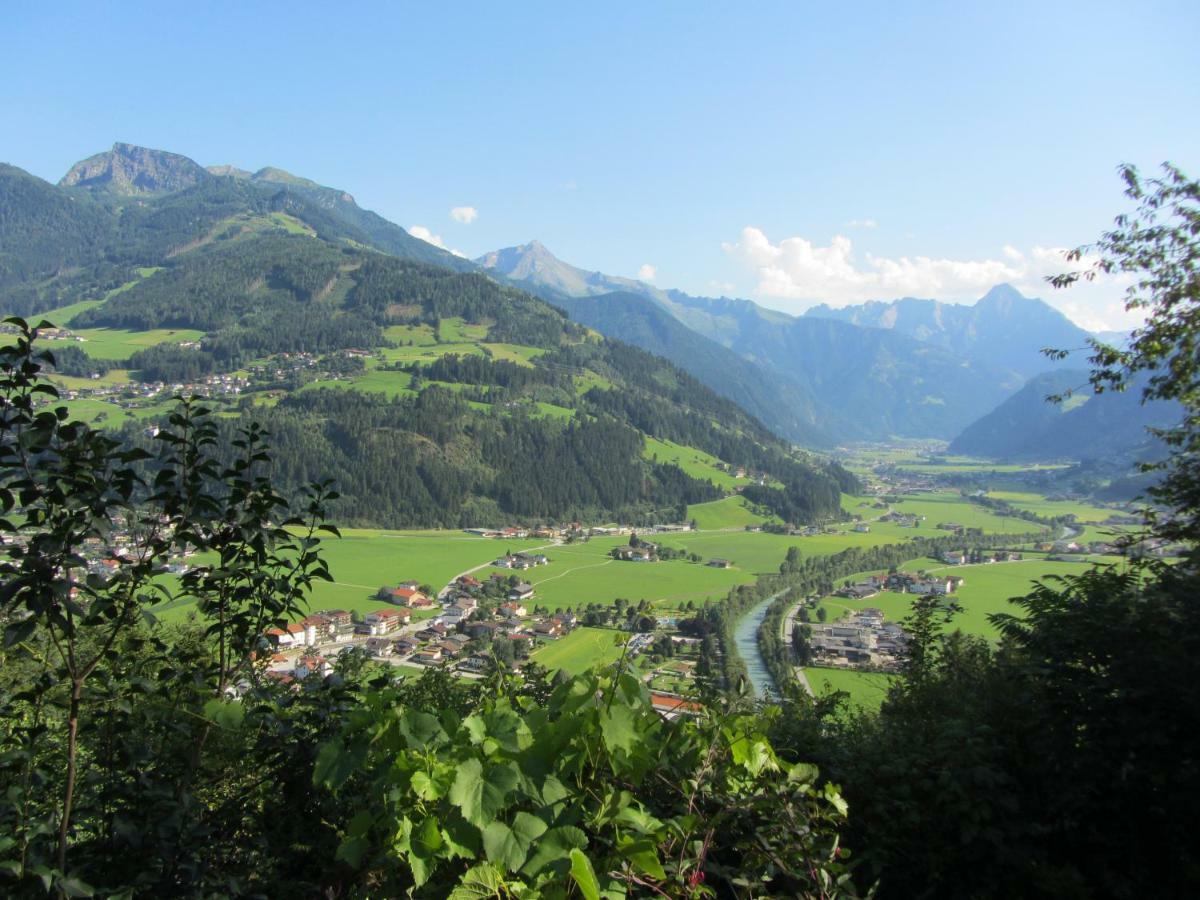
(728, 513)
(695, 463)
(582, 649)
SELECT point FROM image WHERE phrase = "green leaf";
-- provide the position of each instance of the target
(427, 838)
(228, 715)
(481, 793)
(478, 883)
(420, 730)
(336, 762)
(617, 726)
(351, 851)
(424, 786)
(73, 887)
(508, 846)
(553, 849)
(643, 855)
(585, 877)
(752, 755)
(638, 819)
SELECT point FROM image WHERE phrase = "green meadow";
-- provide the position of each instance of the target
(584, 573)
(986, 590)
(364, 559)
(120, 343)
(865, 689)
(580, 650)
(1036, 503)
(696, 463)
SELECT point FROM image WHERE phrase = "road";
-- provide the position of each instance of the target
(789, 623)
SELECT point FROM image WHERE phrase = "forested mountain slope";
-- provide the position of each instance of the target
(776, 399)
(432, 396)
(832, 380)
(1109, 426)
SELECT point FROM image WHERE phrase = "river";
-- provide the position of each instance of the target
(745, 637)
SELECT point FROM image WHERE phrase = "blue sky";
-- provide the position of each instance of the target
(789, 152)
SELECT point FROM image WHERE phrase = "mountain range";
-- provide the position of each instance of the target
(904, 368)
(911, 368)
(435, 394)
(1084, 426)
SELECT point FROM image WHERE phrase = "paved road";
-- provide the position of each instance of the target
(789, 622)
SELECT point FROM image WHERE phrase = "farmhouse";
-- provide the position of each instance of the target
(406, 595)
(643, 553)
(718, 563)
(520, 591)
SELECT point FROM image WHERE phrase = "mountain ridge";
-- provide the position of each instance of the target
(887, 383)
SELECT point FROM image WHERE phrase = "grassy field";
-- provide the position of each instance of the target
(696, 463)
(455, 330)
(364, 559)
(120, 343)
(375, 381)
(513, 352)
(110, 415)
(584, 573)
(426, 353)
(1036, 503)
(732, 512)
(580, 650)
(111, 377)
(866, 689)
(986, 590)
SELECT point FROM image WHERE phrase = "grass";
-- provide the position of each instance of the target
(732, 512)
(363, 559)
(580, 650)
(111, 377)
(696, 463)
(110, 415)
(376, 381)
(584, 573)
(866, 689)
(455, 330)
(1036, 503)
(550, 411)
(120, 343)
(422, 334)
(986, 590)
(514, 353)
(427, 353)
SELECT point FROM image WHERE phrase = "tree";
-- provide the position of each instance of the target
(66, 490)
(1158, 247)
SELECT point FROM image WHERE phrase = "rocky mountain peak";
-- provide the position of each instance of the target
(131, 170)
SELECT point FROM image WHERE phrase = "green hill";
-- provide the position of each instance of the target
(433, 396)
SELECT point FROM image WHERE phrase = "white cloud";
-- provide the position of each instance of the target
(647, 272)
(464, 214)
(862, 223)
(804, 273)
(420, 231)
